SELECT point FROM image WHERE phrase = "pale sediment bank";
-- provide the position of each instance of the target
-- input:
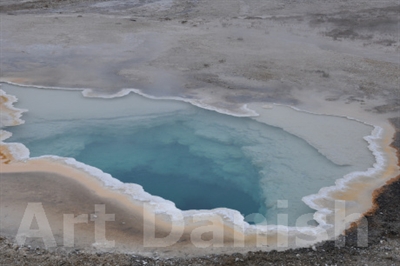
(227, 231)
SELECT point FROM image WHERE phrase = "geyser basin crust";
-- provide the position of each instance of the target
(96, 109)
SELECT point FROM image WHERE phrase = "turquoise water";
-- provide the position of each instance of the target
(161, 158)
(196, 158)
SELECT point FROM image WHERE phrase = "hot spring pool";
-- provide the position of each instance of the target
(197, 158)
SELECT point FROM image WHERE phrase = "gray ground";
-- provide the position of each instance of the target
(226, 53)
(231, 51)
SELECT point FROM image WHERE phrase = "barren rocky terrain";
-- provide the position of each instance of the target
(226, 53)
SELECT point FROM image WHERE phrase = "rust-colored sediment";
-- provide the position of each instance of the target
(5, 155)
(7, 111)
(3, 99)
(381, 190)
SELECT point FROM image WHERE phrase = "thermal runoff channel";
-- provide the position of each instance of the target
(197, 158)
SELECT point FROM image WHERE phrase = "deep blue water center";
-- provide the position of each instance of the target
(171, 170)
